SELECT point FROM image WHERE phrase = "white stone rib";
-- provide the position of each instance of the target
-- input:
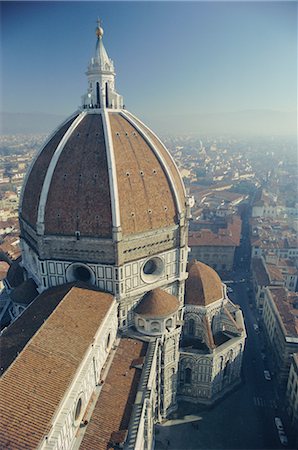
(51, 135)
(162, 144)
(111, 168)
(52, 166)
(158, 155)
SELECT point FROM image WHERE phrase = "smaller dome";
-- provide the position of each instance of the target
(203, 285)
(157, 304)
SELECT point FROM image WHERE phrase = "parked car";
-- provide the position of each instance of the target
(267, 375)
(283, 437)
(278, 424)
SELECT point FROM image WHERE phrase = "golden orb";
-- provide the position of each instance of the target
(99, 32)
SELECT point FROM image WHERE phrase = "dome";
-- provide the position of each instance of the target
(157, 304)
(203, 285)
(99, 170)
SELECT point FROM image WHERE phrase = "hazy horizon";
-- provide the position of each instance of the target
(186, 68)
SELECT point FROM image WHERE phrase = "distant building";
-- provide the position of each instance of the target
(292, 393)
(261, 280)
(265, 205)
(280, 317)
(216, 249)
(273, 237)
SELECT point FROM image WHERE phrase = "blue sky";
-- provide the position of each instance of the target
(173, 59)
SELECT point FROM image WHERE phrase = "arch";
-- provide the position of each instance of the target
(155, 326)
(191, 327)
(187, 375)
(141, 323)
(97, 94)
(169, 323)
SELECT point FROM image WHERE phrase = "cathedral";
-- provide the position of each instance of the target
(111, 326)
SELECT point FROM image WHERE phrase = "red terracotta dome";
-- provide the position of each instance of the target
(203, 285)
(157, 304)
(100, 168)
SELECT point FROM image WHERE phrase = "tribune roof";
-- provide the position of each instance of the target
(203, 285)
(157, 303)
(113, 409)
(33, 386)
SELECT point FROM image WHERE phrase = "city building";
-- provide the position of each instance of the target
(273, 237)
(265, 204)
(217, 249)
(91, 359)
(280, 318)
(264, 275)
(292, 392)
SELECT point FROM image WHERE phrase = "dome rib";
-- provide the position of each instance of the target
(30, 196)
(164, 158)
(157, 304)
(170, 163)
(146, 197)
(52, 168)
(79, 193)
(136, 190)
(203, 286)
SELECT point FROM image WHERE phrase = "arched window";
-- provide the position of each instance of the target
(191, 327)
(141, 323)
(187, 376)
(107, 95)
(97, 94)
(155, 326)
(169, 323)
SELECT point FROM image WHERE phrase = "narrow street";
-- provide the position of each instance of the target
(245, 418)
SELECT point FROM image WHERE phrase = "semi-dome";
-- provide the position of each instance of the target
(102, 170)
(203, 285)
(157, 304)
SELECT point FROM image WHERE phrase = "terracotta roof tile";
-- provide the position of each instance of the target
(113, 409)
(283, 301)
(157, 303)
(226, 237)
(203, 285)
(35, 181)
(274, 273)
(168, 159)
(145, 196)
(260, 272)
(33, 386)
(79, 193)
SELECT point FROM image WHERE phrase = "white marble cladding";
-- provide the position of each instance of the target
(141, 429)
(133, 272)
(30, 262)
(121, 281)
(64, 425)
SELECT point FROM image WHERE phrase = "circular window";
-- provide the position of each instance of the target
(152, 269)
(78, 409)
(80, 272)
